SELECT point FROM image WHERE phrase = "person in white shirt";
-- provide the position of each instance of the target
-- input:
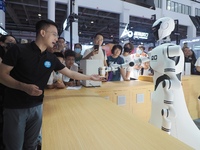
(96, 52)
(55, 79)
(197, 66)
(127, 56)
(70, 64)
(60, 45)
(140, 53)
(146, 69)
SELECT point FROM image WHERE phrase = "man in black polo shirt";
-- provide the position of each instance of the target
(6, 41)
(25, 71)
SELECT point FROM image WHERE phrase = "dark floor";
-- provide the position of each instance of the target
(197, 122)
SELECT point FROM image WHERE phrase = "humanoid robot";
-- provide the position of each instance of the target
(169, 111)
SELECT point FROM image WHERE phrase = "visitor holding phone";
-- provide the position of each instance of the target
(96, 52)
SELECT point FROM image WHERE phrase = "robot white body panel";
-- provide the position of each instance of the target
(167, 61)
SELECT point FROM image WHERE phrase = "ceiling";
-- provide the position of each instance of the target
(21, 16)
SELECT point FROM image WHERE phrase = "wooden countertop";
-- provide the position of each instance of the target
(82, 120)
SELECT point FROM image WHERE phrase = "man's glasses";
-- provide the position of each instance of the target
(70, 59)
(54, 34)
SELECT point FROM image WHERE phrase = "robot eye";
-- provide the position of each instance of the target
(155, 30)
(156, 27)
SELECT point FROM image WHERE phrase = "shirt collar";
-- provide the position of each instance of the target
(36, 48)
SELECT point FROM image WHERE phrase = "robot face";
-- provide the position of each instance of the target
(155, 30)
(163, 27)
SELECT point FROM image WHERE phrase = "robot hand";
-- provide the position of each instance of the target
(169, 97)
(166, 123)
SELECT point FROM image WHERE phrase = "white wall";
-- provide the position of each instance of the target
(115, 6)
(118, 6)
(2, 19)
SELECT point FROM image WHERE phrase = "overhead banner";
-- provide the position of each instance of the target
(133, 34)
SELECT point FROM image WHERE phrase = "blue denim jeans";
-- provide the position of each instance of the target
(21, 128)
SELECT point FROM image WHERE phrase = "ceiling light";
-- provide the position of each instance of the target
(92, 22)
(39, 15)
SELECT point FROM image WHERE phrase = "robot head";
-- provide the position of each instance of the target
(163, 28)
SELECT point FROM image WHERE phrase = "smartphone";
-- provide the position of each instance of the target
(96, 47)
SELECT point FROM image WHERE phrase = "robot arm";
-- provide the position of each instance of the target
(168, 112)
(102, 70)
(170, 52)
(113, 67)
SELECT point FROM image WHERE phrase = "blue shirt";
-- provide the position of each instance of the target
(116, 75)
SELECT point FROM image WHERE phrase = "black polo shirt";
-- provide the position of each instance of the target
(2, 53)
(32, 67)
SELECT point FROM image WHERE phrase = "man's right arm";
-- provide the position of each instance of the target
(89, 53)
(197, 64)
(87, 56)
(198, 68)
(10, 82)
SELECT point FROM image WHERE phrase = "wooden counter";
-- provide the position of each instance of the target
(124, 94)
(191, 88)
(82, 120)
(128, 91)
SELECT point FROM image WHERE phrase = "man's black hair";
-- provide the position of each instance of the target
(70, 53)
(78, 44)
(115, 47)
(4, 37)
(130, 44)
(61, 38)
(97, 35)
(42, 24)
